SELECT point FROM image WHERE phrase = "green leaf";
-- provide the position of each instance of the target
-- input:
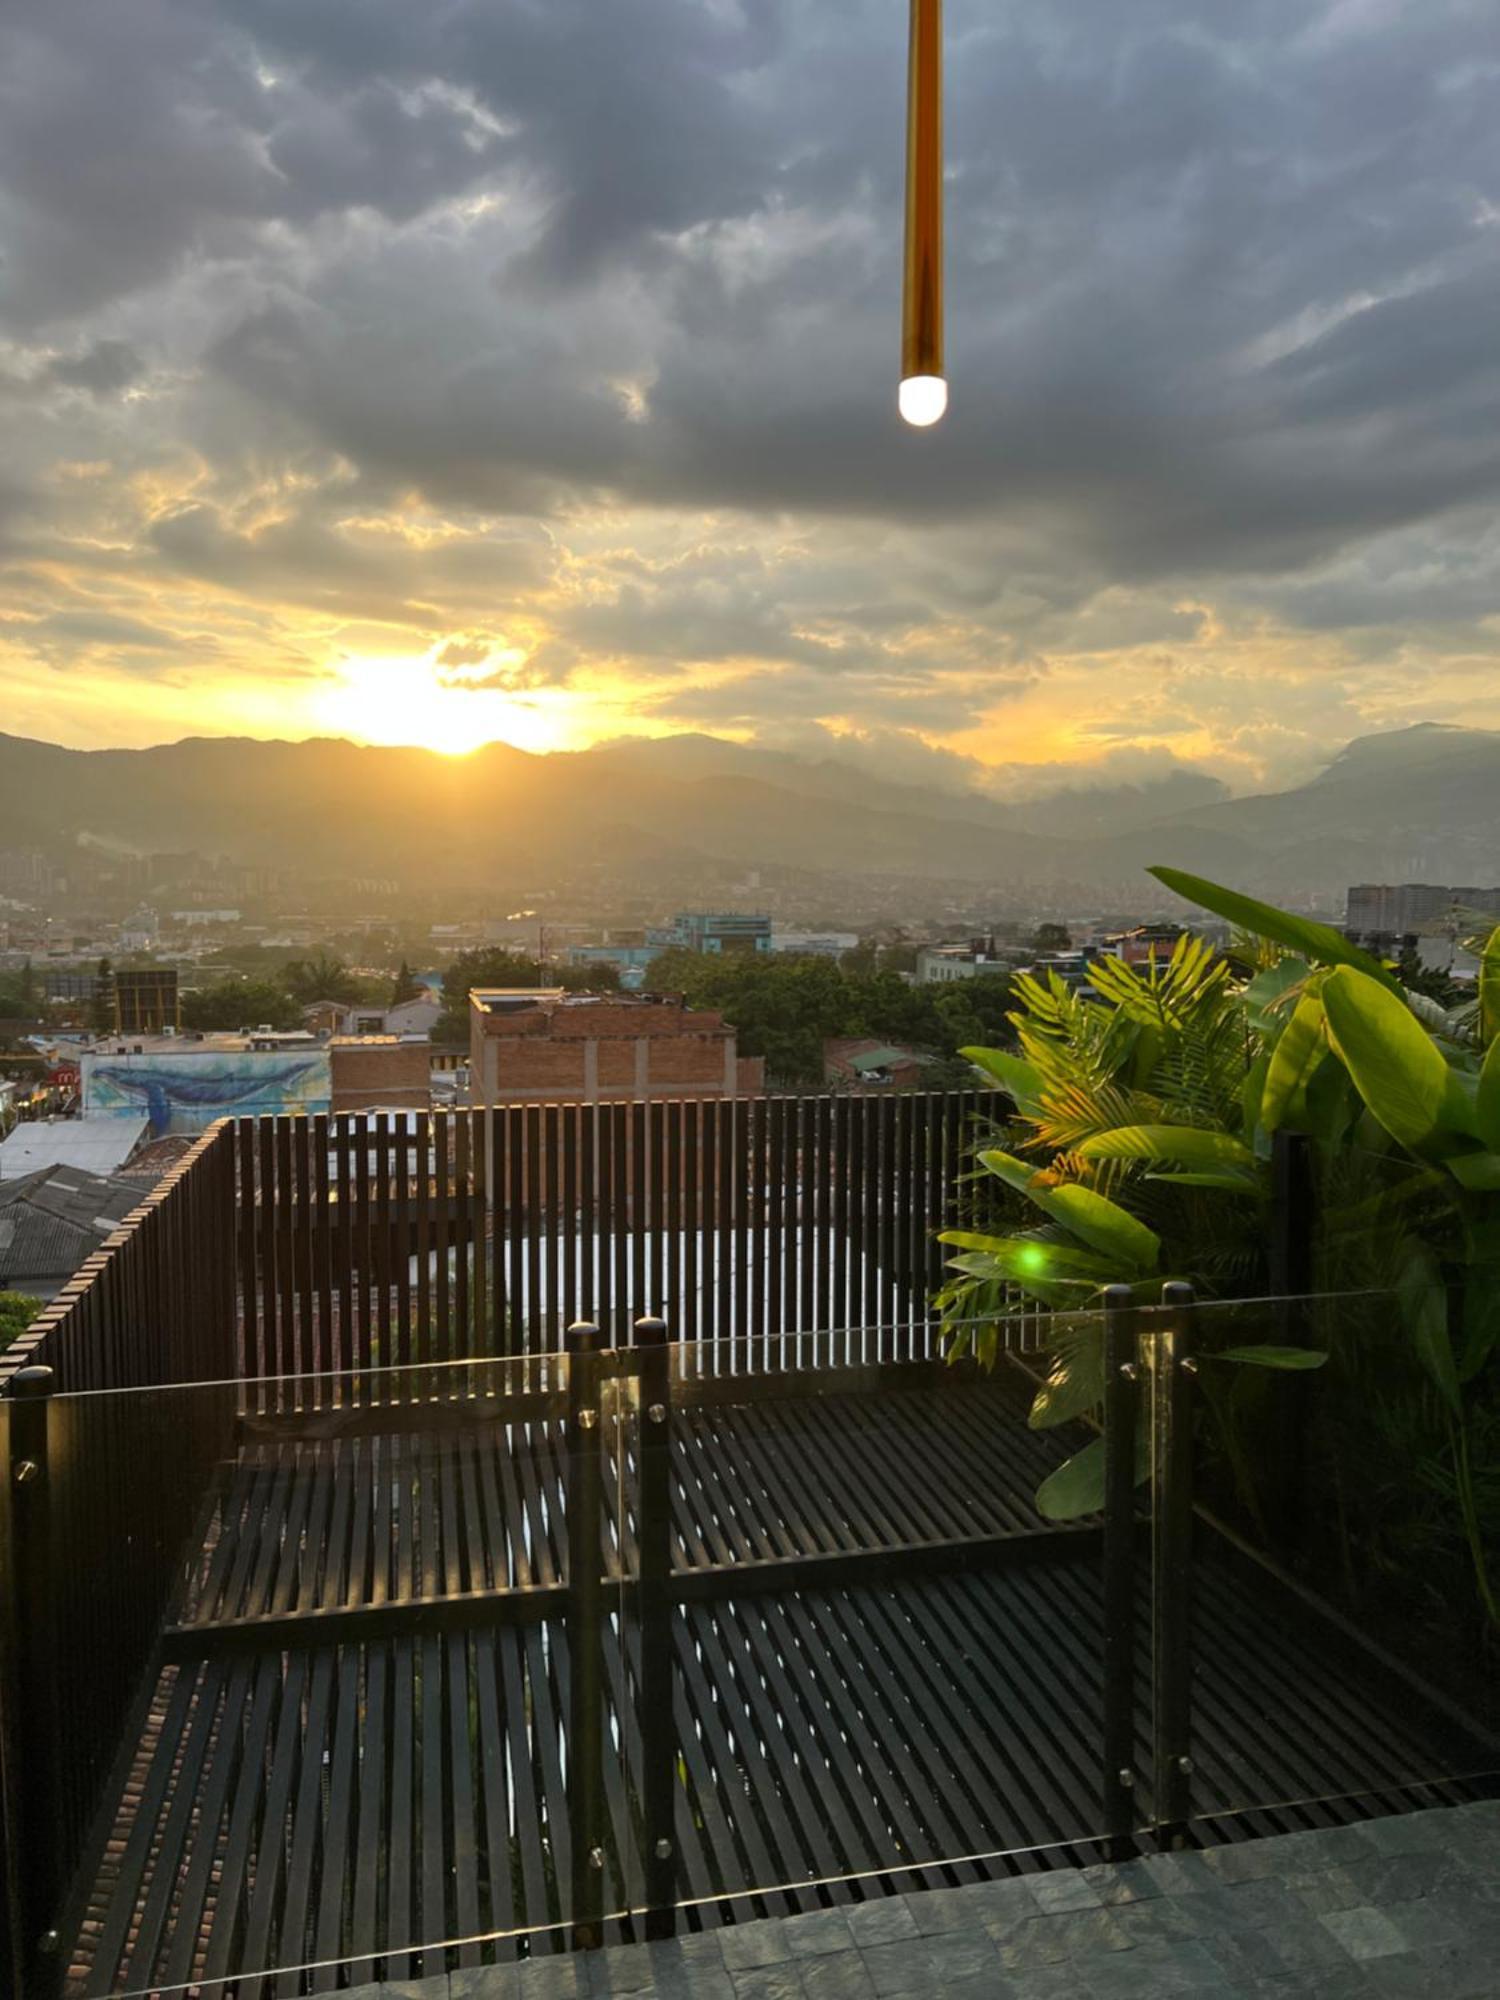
(1173, 1145)
(1300, 1048)
(1024, 1258)
(1267, 988)
(1481, 1321)
(1395, 1065)
(1077, 1487)
(1478, 1172)
(1487, 1095)
(1226, 1183)
(1318, 942)
(1290, 1359)
(1424, 1307)
(1489, 989)
(1252, 1092)
(1075, 1380)
(1100, 1223)
(1018, 1077)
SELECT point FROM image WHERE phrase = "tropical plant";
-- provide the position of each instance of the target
(1133, 1101)
(1150, 1113)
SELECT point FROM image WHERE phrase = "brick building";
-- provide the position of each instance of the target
(529, 1046)
(379, 1073)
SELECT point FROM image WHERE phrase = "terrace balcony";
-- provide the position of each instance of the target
(433, 1542)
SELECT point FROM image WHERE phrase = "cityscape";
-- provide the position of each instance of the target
(749, 1000)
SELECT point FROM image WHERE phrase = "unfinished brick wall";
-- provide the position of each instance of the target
(370, 1075)
(582, 1052)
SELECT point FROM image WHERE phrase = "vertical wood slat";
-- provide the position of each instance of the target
(321, 1223)
(380, 1242)
(571, 1120)
(555, 1237)
(462, 1225)
(283, 1223)
(308, 1358)
(449, 1346)
(757, 1148)
(740, 1162)
(426, 1343)
(588, 1212)
(487, 1210)
(616, 1328)
(543, 1332)
(401, 1182)
(636, 1120)
(363, 1244)
(509, 1159)
(692, 1209)
(341, 1248)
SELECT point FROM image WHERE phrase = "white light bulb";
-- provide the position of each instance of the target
(922, 399)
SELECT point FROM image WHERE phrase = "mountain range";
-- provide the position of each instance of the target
(1415, 804)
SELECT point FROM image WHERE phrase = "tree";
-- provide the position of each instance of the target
(231, 1004)
(17, 1311)
(322, 978)
(404, 986)
(1051, 938)
(784, 1009)
(1428, 979)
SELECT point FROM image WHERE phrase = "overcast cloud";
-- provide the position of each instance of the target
(549, 346)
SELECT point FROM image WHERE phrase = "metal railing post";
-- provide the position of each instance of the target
(1121, 1412)
(585, 1634)
(656, 1683)
(1171, 1367)
(40, 1868)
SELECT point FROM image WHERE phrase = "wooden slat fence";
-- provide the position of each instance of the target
(156, 1301)
(399, 1238)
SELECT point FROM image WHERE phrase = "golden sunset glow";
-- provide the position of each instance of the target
(415, 701)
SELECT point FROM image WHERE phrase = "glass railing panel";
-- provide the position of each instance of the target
(293, 1686)
(1320, 1522)
(877, 1657)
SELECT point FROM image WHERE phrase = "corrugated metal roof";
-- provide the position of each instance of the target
(51, 1220)
(98, 1145)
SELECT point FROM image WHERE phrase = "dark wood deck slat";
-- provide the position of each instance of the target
(379, 1763)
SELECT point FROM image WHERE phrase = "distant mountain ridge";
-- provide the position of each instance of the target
(1415, 804)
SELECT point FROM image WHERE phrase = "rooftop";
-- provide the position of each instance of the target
(99, 1145)
(52, 1219)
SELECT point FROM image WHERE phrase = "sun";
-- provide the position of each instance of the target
(408, 700)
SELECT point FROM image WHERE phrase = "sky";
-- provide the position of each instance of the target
(526, 369)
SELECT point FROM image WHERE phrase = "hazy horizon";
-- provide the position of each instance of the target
(520, 374)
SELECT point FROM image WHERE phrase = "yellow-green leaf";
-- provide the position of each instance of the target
(1487, 1096)
(1188, 1146)
(1489, 989)
(1299, 1049)
(1095, 1220)
(1320, 943)
(1395, 1065)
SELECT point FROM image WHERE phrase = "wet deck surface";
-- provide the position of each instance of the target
(357, 1742)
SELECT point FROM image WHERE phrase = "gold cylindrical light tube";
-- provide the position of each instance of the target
(924, 391)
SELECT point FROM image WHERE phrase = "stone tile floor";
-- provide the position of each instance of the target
(1393, 1907)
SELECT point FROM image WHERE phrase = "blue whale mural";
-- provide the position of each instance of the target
(183, 1093)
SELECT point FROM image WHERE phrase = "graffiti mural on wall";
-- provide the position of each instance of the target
(187, 1093)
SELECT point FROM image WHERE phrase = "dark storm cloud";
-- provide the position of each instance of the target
(103, 367)
(1139, 197)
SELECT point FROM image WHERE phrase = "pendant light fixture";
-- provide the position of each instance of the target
(924, 390)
